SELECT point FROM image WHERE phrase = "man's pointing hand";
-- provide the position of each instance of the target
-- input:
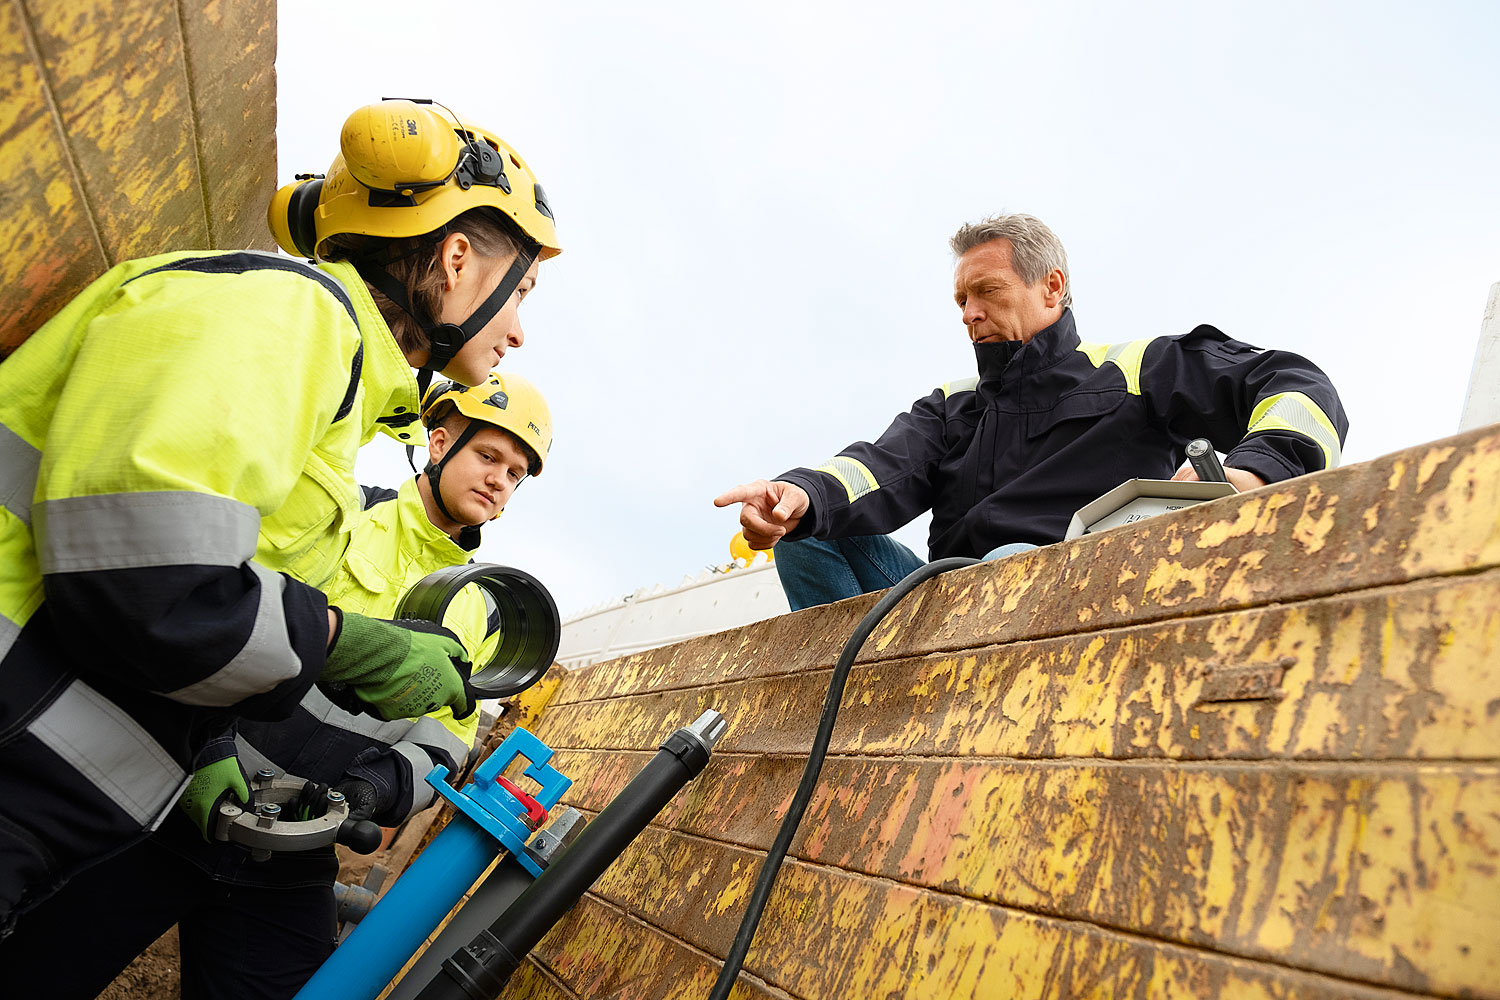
(770, 510)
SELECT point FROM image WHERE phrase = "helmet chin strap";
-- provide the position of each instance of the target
(434, 470)
(445, 340)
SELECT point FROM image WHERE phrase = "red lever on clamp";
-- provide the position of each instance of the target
(535, 813)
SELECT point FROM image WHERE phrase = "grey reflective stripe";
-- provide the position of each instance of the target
(266, 659)
(326, 711)
(856, 478)
(1292, 410)
(138, 530)
(110, 749)
(422, 793)
(960, 385)
(171, 800)
(8, 632)
(429, 732)
(19, 463)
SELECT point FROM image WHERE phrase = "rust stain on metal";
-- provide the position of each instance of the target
(1348, 529)
(1179, 759)
(104, 125)
(52, 252)
(1376, 679)
(531, 982)
(119, 82)
(231, 56)
(1309, 867)
(599, 952)
(829, 933)
(1380, 871)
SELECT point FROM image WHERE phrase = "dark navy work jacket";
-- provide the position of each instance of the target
(1049, 425)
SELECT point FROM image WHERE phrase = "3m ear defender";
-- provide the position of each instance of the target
(405, 146)
(401, 155)
(400, 146)
(292, 215)
(299, 214)
(407, 168)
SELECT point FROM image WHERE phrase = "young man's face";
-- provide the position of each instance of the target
(996, 303)
(477, 482)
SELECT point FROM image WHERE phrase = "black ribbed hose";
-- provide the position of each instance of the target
(777, 854)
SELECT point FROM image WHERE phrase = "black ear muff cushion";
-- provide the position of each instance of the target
(301, 222)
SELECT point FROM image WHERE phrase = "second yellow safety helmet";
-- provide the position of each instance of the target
(507, 401)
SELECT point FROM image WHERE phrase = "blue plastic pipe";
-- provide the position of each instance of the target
(489, 820)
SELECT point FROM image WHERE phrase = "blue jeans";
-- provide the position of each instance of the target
(814, 571)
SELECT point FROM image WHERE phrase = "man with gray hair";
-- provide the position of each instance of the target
(1050, 422)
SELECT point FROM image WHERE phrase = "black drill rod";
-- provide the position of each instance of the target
(501, 888)
(1200, 452)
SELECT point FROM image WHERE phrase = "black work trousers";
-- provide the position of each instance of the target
(247, 942)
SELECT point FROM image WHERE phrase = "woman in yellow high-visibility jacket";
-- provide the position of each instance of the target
(483, 441)
(176, 480)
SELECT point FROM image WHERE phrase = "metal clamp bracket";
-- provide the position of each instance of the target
(489, 804)
(264, 830)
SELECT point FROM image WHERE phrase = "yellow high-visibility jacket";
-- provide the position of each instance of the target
(176, 481)
(394, 546)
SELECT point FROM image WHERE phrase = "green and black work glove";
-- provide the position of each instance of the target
(360, 794)
(400, 669)
(212, 784)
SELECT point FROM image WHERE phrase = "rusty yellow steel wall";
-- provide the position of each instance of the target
(1249, 749)
(128, 128)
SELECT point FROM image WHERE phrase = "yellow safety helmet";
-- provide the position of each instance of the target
(507, 401)
(405, 169)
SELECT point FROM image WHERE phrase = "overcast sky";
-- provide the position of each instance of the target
(755, 202)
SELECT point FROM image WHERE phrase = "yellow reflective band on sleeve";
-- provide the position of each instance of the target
(1094, 352)
(1126, 357)
(960, 385)
(852, 474)
(1296, 412)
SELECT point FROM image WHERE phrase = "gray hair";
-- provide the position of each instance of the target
(1034, 249)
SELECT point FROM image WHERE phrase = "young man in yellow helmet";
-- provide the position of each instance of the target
(176, 480)
(482, 443)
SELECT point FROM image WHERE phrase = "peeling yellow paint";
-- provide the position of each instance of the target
(1217, 533)
(1311, 530)
(1034, 815)
(1431, 461)
(734, 892)
(98, 145)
